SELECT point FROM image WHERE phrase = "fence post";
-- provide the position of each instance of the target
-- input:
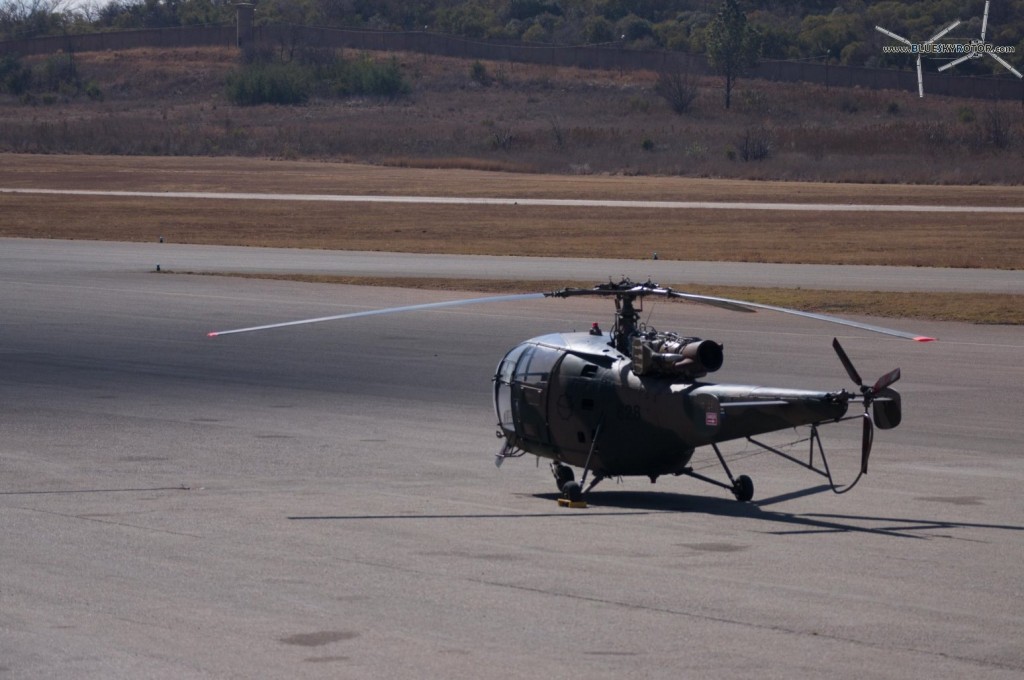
(243, 21)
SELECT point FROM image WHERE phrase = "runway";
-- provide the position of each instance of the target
(322, 501)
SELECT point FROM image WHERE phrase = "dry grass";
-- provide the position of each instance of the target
(405, 176)
(994, 241)
(987, 240)
(533, 118)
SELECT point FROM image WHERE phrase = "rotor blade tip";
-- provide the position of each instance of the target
(212, 334)
(924, 338)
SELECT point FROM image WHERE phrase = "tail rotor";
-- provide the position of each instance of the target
(884, 403)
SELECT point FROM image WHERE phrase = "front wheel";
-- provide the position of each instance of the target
(563, 474)
(572, 491)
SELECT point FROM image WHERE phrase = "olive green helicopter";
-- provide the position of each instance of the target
(632, 402)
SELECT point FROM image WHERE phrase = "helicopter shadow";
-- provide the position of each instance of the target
(789, 523)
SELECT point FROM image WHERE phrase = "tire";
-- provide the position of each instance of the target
(563, 474)
(743, 489)
(573, 491)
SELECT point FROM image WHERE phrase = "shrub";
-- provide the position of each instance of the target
(93, 91)
(478, 72)
(996, 130)
(364, 76)
(14, 78)
(848, 104)
(756, 144)
(268, 84)
(59, 73)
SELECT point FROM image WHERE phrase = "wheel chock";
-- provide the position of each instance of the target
(566, 503)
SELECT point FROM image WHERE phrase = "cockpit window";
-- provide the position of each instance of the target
(536, 364)
(508, 365)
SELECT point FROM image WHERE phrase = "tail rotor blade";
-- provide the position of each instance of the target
(886, 380)
(867, 439)
(847, 364)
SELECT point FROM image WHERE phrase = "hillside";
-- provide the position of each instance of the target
(794, 30)
(515, 117)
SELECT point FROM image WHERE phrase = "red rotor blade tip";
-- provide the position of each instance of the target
(923, 338)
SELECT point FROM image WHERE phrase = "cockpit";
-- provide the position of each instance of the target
(520, 389)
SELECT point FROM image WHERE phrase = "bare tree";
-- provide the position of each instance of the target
(677, 88)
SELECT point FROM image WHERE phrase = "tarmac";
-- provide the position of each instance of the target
(322, 501)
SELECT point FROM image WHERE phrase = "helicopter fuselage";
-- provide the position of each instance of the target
(575, 399)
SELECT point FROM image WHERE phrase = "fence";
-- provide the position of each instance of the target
(289, 36)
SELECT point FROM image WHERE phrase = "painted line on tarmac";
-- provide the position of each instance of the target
(531, 202)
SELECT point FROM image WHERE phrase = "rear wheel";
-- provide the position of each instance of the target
(743, 488)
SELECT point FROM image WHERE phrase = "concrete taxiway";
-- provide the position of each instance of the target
(102, 257)
(322, 502)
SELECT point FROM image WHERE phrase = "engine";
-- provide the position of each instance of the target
(670, 355)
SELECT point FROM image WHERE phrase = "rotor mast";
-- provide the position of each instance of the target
(626, 318)
(627, 315)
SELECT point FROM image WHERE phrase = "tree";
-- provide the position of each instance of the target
(732, 44)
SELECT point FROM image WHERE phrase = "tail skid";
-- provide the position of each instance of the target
(743, 488)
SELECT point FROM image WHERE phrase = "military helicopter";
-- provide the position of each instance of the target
(630, 402)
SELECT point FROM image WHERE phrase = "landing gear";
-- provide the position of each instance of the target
(743, 488)
(572, 491)
(563, 474)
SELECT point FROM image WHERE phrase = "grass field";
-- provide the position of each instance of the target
(528, 118)
(987, 240)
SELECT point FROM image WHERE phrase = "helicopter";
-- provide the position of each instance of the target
(631, 402)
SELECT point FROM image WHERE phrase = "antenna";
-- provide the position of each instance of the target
(980, 50)
(922, 47)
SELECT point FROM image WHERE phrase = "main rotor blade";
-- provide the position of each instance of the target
(984, 22)
(707, 299)
(920, 78)
(386, 310)
(641, 290)
(847, 364)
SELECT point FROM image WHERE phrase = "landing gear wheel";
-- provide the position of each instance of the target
(563, 474)
(572, 491)
(743, 488)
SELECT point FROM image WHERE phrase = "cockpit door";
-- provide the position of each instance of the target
(521, 390)
(503, 388)
(530, 392)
